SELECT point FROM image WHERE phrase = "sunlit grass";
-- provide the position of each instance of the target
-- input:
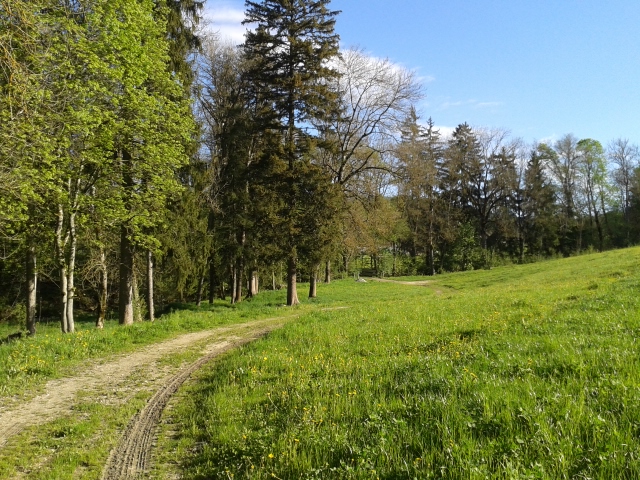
(519, 372)
(29, 361)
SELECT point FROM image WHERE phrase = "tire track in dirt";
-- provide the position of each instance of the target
(110, 377)
(130, 459)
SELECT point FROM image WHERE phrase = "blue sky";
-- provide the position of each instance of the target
(539, 69)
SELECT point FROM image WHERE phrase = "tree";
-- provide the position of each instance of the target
(154, 124)
(562, 164)
(625, 157)
(419, 155)
(537, 209)
(593, 169)
(289, 54)
(375, 97)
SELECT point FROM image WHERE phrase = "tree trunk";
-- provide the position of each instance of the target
(102, 292)
(600, 235)
(62, 266)
(430, 255)
(313, 282)
(71, 327)
(150, 304)
(125, 301)
(292, 291)
(137, 306)
(238, 289)
(200, 290)
(273, 280)
(395, 264)
(253, 283)
(233, 285)
(32, 283)
(327, 272)
(212, 281)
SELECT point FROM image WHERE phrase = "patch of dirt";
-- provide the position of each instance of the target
(118, 378)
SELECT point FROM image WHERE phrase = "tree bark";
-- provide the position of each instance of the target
(102, 292)
(125, 301)
(73, 239)
(32, 282)
(212, 281)
(200, 290)
(150, 268)
(62, 266)
(253, 283)
(432, 266)
(238, 277)
(233, 283)
(292, 291)
(327, 272)
(137, 307)
(313, 282)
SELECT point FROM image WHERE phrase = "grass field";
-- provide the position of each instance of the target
(520, 372)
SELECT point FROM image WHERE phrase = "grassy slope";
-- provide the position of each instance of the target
(520, 372)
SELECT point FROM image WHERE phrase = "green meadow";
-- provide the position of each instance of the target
(526, 371)
(519, 372)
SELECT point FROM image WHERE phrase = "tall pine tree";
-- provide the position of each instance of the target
(289, 53)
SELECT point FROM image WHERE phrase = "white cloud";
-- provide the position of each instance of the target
(226, 20)
(445, 132)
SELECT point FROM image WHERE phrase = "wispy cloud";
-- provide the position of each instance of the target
(447, 104)
(487, 104)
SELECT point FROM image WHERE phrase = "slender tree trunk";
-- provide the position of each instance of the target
(102, 292)
(292, 290)
(327, 272)
(137, 306)
(430, 256)
(150, 288)
(313, 282)
(212, 281)
(273, 280)
(32, 283)
(125, 307)
(234, 275)
(200, 290)
(253, 283)
(238, 276)
(600, 235)
(62, 266)
(393, 268)
(73, 245)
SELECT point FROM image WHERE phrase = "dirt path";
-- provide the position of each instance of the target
(130, 459)
(112, 380)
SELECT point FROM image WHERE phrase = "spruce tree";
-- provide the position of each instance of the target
(289, 54)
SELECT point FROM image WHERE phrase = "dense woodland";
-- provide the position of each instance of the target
(144, 162)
